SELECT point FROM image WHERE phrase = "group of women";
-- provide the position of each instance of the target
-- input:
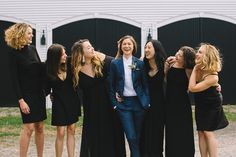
(138, 97)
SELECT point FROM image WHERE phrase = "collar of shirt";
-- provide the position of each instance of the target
(127, 61)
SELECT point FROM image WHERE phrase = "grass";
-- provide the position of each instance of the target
(230, 112)
(10, 121)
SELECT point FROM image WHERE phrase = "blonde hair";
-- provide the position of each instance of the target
(77, 62)
(15, 35)
(211, 61)
(119, 42)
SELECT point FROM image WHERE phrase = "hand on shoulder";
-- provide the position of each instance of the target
(100, 55)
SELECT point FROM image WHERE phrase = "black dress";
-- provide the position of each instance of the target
(28, 74)
(66, 106)
(151, 143)
(102, 135)
(209, 112)
(179, 123)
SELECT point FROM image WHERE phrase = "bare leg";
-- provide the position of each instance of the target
(71, 140)
(211, 143)
(59, 140)
(25, 136)
(202, 144)
(39, 137)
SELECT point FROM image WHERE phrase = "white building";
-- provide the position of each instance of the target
(149, 14)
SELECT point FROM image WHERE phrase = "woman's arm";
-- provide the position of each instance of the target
(15, 75)
(207, 82)
(168, 63)
(112, 85)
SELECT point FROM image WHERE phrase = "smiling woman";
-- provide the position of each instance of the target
(28, 74)
(129, 91)
(102, 134)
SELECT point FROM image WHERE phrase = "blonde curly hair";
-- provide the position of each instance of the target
(212, 60)
(77, 62)
(15, 35)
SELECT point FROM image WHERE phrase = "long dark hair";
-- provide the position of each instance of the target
(53, 64)
(160, 55)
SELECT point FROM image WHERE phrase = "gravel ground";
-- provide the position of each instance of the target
(9, 146)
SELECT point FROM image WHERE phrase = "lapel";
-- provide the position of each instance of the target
(134, 61)
(121, 66)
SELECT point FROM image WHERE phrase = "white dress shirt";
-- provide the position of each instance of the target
(128, 86)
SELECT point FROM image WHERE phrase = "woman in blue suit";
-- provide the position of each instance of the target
(129, 91)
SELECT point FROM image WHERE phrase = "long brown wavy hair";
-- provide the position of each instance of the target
(77, 62)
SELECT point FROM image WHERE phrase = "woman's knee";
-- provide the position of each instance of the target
(60, 132)
(39, 127)
(71, 129)
(28, 129)
(209, 134)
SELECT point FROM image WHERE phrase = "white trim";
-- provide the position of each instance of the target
(197, 15)
(16, 20)
(97, 15)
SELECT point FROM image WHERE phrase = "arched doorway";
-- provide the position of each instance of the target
(191, 32)
(102, 33)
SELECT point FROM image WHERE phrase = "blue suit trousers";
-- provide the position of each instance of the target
(131, 114)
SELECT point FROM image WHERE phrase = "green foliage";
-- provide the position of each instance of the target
(231, 116)
(11, 123)
(10, 120)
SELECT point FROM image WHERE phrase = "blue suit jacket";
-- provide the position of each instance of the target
(117, 80)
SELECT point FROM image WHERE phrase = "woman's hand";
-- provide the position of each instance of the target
(100, 55)
(168, 63)
(24, 107)
(197, 67)
(171, 60)
(218, 88)
(118, 97)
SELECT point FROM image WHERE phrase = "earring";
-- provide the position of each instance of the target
(83, 60)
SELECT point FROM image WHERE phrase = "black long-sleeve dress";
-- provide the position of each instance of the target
(179, 123)
(152, 137)
(28, 77)
(102, 135)
(66, 106)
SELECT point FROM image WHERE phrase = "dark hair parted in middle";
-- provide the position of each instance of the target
(53, 62)
(160, 55)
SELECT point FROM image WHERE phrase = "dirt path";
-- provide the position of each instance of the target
(9, 145)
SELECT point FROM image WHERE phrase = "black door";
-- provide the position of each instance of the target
(217, 32)
(102, 33)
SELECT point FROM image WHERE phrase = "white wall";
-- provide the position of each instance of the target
(148, 14)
